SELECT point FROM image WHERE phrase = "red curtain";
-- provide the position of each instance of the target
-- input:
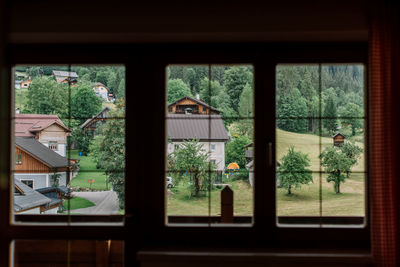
(384, 128)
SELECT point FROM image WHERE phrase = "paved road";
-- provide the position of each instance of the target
(106, 202)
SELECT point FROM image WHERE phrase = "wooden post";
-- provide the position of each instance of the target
(103, 253)
(227, 205)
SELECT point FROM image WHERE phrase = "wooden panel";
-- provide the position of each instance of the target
(53, 133)
(187, 102)
(29, 163)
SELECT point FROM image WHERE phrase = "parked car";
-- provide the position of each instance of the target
(170, 184)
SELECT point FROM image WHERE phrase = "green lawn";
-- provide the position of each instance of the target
(77, 203)
(304, 201)
(88, 171)
(21, 98)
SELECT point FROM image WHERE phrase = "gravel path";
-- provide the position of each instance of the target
(106, 202)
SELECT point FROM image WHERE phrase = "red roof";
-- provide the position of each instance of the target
(27, 124)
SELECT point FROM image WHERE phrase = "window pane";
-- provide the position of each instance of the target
(70, 138)
(209, 148)
(320, 144)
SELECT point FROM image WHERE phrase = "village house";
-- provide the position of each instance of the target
(37, 166)
(47, 129)
(90, 125)
(70, 77)
(25, 84)
(191, 105)
(101, 90)
(30, 201)
(190, 119)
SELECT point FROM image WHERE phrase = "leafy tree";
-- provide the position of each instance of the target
(236, 79)
(246, 102)
(353, 152)
(191, 161)
(81, 140)
(33, 72)
(120, 93)
(352, 115)
(292, 106)
(112, 151)
(46, 96)
(112, 81)
(176, 90)
(235, 151)
(207, 94)
(102, 77)
(84, 103)
(336, 163)
(330, 123)
(293, 171)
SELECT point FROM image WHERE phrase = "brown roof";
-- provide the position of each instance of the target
(189, 126)
(198, 101)
(27, 124)
(106, 109)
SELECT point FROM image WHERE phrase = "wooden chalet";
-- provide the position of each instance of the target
(35, 164)
(90, 125)
(338, 139)
(191, 105)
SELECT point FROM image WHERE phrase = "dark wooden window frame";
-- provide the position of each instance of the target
(144, 223)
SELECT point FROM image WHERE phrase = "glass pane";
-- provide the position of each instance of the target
(210, 135)
(320, 128)
(70, 137)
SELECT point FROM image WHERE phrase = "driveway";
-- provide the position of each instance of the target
(106, 202)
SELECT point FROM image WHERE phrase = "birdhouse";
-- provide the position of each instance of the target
(338, 139)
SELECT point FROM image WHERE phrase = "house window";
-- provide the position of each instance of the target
(28, 183)
(18, 159)
(199, 184)
(212, 147)
(176, 147)
(53, 145)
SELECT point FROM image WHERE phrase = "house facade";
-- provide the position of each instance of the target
(47, 129)
(90, 125)
(69, 77)
(37, 166)
(25, 84)
(101, 90)
(193, 106)
(190, 119)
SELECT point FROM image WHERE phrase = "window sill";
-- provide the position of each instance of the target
(256, 256)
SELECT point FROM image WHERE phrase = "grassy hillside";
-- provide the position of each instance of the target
(304, 201)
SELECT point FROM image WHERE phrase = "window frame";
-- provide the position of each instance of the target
(264, 58)
(145, 220)
(51, 145)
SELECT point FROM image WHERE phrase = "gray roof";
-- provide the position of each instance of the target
(61, 73)
(42, 152)
(29, 198)
(190, 126)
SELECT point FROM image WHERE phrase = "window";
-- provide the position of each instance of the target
(220, 115)
(320, 121)
(18, 159)
(212, 147)
(53, 145)
(28, 183)
(86, 138)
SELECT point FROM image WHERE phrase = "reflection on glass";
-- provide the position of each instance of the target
(210, 134)
(69, 138)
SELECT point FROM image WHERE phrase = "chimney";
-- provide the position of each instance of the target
(197, 96)
(17, 111)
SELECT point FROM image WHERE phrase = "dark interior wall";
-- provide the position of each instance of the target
(148, 21)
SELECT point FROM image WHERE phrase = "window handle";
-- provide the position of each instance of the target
(270, 154)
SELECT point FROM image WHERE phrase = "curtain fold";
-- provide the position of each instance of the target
(384, 129)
